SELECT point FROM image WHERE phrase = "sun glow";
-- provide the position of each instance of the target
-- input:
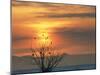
(44, 26)
(42, 31)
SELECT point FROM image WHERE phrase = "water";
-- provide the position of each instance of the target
(65, 68)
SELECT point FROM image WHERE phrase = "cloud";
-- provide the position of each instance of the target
(21, 38)
(69, 15)
(77, 36)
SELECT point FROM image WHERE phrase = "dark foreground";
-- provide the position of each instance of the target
(58, 69)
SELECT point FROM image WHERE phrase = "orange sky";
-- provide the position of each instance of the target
(70, 27)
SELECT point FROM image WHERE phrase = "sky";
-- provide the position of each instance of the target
(71, 28)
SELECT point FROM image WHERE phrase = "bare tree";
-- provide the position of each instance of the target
(46, 57)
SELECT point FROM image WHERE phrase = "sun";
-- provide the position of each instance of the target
(44, 38)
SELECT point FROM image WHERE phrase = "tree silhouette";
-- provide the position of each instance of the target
(46, 57)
